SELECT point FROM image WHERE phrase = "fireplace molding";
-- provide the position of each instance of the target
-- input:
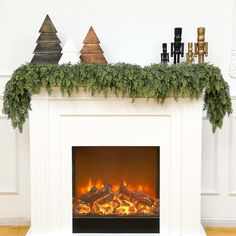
(58, 123)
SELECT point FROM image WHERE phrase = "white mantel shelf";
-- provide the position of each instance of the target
(58, 123)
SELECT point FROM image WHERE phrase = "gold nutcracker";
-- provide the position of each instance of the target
(189, 54)
(201, 47)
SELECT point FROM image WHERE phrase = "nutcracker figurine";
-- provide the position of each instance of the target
(177, 48)
(189, 54)
(164, 54)
(201, 47)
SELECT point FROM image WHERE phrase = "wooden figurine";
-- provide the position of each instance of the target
(189, 54)
(69, 53)
(201, 47)
(164, 54)
(91, 52)
(177, 48)
(48, 49)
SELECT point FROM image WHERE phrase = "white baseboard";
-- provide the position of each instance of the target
(14, 221)
(218, 222)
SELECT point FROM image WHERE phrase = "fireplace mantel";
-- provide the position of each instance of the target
(58, 123)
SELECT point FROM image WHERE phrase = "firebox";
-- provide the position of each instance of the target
(116, 189)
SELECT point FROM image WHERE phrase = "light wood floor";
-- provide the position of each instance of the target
(13, 231)
(221, 231)
(21, 231)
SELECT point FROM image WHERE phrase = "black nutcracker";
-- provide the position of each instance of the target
(164, 54)
(177, 48)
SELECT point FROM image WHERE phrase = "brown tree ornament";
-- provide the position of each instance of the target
(91, 52)
(48, 49)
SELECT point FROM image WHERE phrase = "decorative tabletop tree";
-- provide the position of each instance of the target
(48, 49)
(70, 53)
(92, 52)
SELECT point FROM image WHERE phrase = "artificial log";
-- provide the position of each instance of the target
(142, 198)
(155, 210)
(94, 194)
(107, 198)
(79, 207)
(136, 196)
(124, 190)
(83, 208)
(116, 204)
(89, 195)
(125, 203)
(95, 208)
(157, 203)
(76, 201)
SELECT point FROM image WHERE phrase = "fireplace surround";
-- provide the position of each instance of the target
(60, 125)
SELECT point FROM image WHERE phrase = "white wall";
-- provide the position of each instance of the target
(129, 31)
(219, 173)
(14, 172)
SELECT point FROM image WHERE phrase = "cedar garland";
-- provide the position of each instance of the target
(157, 81)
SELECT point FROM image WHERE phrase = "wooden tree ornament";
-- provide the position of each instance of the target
(91, 52)
(69, 53)
(48, 49)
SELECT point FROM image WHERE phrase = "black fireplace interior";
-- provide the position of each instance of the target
(116, 189)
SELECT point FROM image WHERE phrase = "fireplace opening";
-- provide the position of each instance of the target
(116, 189)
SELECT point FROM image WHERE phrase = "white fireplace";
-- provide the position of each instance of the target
(57, 124)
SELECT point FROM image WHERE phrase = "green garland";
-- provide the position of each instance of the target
(157, 81)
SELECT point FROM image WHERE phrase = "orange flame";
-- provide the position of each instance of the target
(99, 184)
